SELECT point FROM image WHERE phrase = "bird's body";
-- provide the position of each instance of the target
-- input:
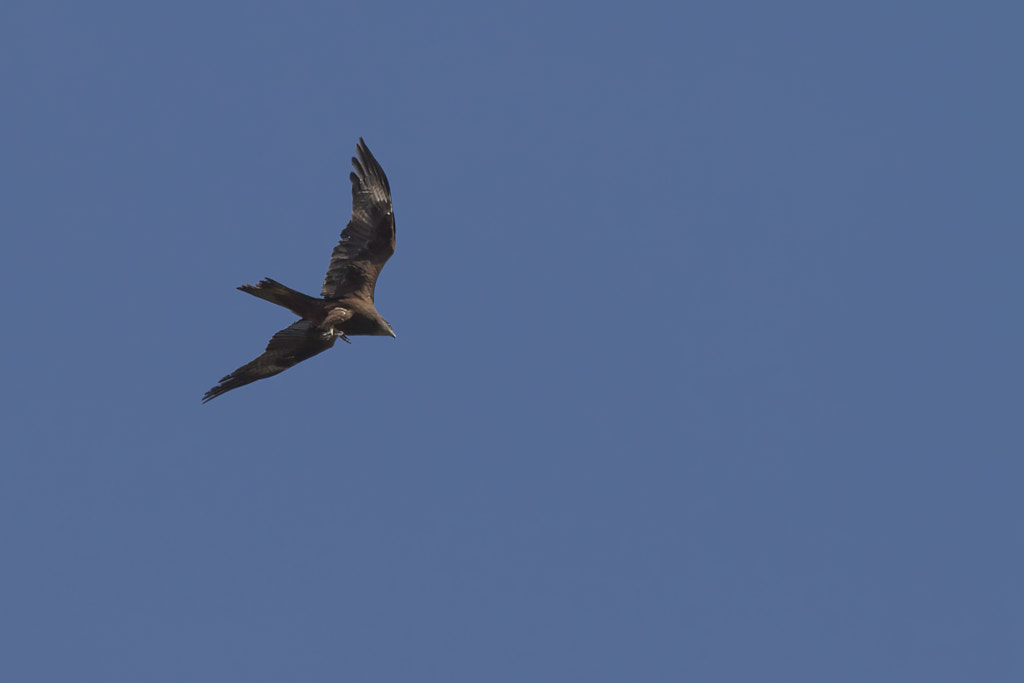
(345, 307)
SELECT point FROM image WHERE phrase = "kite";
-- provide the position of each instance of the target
(345, 307)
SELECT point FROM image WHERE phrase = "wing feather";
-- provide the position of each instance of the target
(368, 241)
(292, 345)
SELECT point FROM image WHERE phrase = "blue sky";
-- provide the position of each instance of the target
(708, 362)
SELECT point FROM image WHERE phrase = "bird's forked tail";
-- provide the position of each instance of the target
(298, 303)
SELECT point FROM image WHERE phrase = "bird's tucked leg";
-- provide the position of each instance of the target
(331, 332)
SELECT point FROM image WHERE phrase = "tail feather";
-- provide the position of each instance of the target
(298, 303)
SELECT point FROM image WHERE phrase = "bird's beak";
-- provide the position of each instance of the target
(393, 335)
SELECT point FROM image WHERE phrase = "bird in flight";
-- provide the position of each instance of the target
(345, 307)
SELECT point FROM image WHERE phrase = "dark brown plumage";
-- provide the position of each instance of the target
(346, 305)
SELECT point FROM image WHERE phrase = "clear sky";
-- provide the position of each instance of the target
(709, 355)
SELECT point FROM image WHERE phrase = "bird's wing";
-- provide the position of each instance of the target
(292, 345)
(368, 241)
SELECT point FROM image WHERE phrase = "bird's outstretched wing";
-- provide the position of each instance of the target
(368, 241)
(292, 345)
